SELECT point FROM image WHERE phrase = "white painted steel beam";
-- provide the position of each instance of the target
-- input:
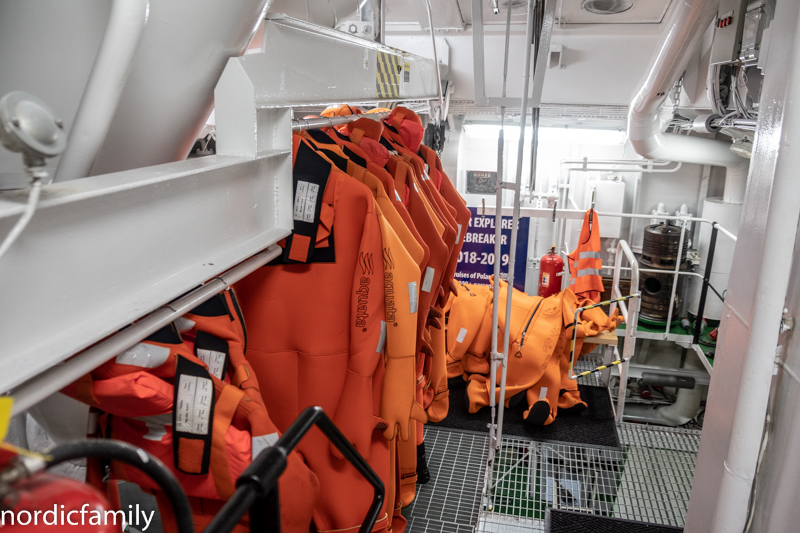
(446, 14)
(303, 64)
(101, 252)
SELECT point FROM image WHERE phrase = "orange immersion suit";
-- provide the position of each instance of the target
(539, 352)
(317, 330)
(465, 320)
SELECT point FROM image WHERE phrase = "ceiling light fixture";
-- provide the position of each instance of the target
(607, 7)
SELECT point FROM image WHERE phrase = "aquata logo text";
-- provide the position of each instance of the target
(363, 298)
(388, 284)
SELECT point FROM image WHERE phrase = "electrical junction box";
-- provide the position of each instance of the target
(728, 31)
(758, 16)
(360, 28)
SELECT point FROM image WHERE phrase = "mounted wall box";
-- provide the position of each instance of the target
(728, 31)
(556, 56)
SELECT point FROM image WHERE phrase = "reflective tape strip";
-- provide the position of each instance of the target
(461, 335)
(184, 324)
(543, 393)
(156, 426)
(382, 340)
(589, 272)
(589, 255)
(259, 444)
(144, 355)
(412, 297)
(427, 283)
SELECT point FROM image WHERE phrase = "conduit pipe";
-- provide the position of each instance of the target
(123, 34)
(682, 35)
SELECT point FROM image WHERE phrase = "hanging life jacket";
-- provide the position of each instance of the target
(585, 264)
(158, 395)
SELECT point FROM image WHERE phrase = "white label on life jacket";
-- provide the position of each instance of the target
(427, 283)
(462, 334)
(412, 297)
(305, 201)
(543, 393)
(183, 324)
(382, 339)
(193, 408)
(259, 444)
(214, 360)
(144, 355)
(458, 235)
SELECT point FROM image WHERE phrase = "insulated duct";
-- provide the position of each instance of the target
(682, 35)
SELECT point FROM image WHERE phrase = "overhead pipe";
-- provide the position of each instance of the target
(682, 35)
(103, 91)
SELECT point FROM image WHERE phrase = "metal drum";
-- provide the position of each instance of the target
(660, 252)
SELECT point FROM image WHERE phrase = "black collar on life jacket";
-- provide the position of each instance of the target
(310, 170)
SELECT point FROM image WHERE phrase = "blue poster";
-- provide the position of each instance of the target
(476, 262)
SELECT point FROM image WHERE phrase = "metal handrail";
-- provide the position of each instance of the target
(257, 487)
(578, 311)
(631, 315)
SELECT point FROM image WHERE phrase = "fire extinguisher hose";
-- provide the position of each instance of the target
(137, 458)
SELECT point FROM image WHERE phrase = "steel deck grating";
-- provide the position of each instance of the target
(449, 502)
(649, 481)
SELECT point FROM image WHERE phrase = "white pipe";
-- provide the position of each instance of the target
(383, 20)
(587, 161)
(123, 33)
(496, 358)
(301, 124)
(682, 35)
(512, 253)
(626, 170)
(437, 115)
(27, 214)
(56, 378)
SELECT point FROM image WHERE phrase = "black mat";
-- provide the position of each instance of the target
(594, 427)
(558, 521)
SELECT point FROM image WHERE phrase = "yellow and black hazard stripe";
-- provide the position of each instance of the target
(601, 368)
(387, 75)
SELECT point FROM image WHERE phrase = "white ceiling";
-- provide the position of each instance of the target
(446, 13)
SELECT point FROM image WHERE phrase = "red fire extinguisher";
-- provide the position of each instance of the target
(551, 268)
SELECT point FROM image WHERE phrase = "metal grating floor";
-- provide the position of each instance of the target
(449, 502)
(649, 481)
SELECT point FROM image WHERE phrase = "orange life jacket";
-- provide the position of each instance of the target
(207, 440)
(585, 263)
